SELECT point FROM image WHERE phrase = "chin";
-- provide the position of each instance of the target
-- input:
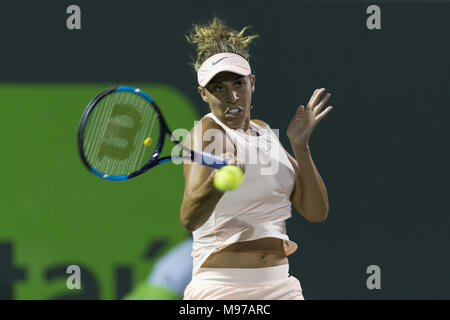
(235, 124)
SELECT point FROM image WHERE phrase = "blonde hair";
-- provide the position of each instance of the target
(216, 37)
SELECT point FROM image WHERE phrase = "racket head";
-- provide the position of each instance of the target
(112, 132)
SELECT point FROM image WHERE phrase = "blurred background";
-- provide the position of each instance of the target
(383, 152)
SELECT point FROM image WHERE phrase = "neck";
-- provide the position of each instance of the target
(247, 123)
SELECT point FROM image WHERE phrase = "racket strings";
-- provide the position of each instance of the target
(116, 130)
(150, 130)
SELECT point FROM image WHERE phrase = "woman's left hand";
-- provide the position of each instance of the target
(306, 119)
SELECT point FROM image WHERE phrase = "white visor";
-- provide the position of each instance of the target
(222, 62)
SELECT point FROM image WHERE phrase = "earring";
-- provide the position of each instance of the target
(251, 107)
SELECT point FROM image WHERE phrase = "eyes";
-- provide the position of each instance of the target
(220, 88)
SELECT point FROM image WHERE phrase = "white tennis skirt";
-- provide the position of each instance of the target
(271, 283)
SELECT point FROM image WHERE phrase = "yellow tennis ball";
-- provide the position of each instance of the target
(228, 178)
(147, 142)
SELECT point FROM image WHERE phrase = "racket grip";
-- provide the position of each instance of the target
(209, 160)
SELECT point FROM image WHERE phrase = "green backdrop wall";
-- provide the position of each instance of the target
(55, 213)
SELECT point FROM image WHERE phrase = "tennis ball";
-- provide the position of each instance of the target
(228, 178)
(147, 142)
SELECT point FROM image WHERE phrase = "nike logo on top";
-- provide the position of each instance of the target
(215, 62)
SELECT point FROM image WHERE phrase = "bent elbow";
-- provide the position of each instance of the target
(186, 221)
(317, 219)
(188, 225)
(319, 216)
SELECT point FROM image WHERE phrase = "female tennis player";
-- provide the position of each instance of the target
(240, 243)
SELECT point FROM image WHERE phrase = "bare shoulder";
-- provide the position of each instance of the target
(204, 124)
(197, 133)
(209, 123)
(260, 123)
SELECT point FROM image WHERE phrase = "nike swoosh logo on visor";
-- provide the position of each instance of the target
(216, 62)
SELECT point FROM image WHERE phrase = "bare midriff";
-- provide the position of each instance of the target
(260, 253)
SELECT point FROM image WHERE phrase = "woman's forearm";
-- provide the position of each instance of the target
(314, 197)
(198, 206)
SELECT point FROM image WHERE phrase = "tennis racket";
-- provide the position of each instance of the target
(122, 132)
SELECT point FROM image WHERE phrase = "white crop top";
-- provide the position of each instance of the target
(260, 206)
